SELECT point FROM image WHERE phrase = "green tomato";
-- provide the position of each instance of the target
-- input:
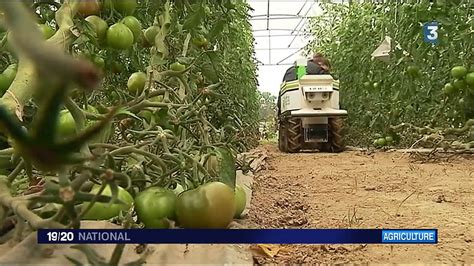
(119, 37)
(389, 140)
(99, 25)
(413, 71)
(105, 211)
(157, 99)
(459, 84)
(136, 83)
(99, 62)
(200, 42)
(381, 142)
(240, 201)
(376, 143)
(176, 66)
(449, 89)
(458, 72)
(92, 109)
(67, 125)
(154, 206)
(146, 114)
(134, 25)
(211, 205)
(470, 79)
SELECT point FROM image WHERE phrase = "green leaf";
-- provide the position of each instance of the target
(194, 19)
(126, 112)
(217, 29)
(227, 170)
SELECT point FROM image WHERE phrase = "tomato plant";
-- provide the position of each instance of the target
(90, 119)
(420, 82)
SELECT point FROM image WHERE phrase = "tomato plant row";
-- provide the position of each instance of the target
(421, 84)
(176, 102)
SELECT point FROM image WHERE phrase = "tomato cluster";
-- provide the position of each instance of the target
(212, 205)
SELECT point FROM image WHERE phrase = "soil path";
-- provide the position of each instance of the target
(360, 190)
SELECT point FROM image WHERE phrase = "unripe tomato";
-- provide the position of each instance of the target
(99, 25)
(200, 42)
(449, 89)
(105, 211)
(240, 201)
(125, 7)
(89, 7)
(413, 71)
(66, 125)
(119, 37)
(381, 142)
(470, 79)
(92, 109)
(136, 83)
(458, 72)
(176, 66)
(99, 62)
(146, 114)
(154, 206)
(459, 84)
(134, 25)
(211, 205)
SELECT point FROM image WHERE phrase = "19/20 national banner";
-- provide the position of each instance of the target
(239, 236)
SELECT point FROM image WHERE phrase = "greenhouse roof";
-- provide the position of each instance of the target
(280, 31)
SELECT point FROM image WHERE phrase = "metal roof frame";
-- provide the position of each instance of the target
(297, 31)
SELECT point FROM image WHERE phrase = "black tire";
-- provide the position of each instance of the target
(282, 137)
(335, 142)
(294, 135)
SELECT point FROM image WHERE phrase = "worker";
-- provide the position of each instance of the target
(318, 65)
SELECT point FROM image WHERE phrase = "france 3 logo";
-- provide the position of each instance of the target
(430, 32)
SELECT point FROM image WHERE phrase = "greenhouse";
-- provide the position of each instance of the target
(236, 132)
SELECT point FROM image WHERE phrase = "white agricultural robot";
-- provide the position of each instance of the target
(309, 115)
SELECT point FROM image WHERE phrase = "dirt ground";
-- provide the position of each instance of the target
(357, 189)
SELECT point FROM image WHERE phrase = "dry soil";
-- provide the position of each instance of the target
(357, 189)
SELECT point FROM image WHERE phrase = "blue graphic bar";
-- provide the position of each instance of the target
(238, 236)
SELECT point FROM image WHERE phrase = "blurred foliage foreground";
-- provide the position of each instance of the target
(104, 103)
